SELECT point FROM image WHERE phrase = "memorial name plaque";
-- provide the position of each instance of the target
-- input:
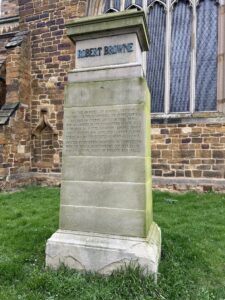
(106, 219)
(113, 50)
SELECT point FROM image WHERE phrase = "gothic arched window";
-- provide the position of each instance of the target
(182, 63)
(180, 57)
(207, 45)
(156, 57)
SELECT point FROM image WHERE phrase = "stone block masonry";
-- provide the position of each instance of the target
(9, 8)
(15, 129)
(191, 155)
(51, 58)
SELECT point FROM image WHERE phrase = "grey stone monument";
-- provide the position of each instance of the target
(106, 219)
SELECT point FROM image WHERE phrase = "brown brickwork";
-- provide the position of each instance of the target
(15, 137)
(9, 8)
(51, 58)
(189, 151)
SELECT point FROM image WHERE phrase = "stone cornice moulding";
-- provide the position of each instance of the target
(113, 23)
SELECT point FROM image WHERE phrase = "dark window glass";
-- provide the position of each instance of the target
(207, 37)
(107, 5)
(139, 2)
(156, 57)
(129, 2)
(115, 5)
(180, 60)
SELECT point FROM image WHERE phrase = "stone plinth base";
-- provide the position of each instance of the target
(103, 253)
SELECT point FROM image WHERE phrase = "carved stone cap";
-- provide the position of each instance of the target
(109, 25)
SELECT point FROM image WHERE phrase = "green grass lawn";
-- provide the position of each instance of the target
(193, 251)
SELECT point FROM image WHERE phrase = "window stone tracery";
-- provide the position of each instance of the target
(187, 80)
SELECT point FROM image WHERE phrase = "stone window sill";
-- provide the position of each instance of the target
(197, 117)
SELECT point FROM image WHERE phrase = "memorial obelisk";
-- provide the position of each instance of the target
(106, 218)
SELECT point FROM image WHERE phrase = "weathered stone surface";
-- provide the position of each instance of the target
(105, 253)
(108, 51)
(107, 73)
(107, 131)
(106, 187)
(104, 194)
(105, 169)
(125, 222)
(111, 24)
(128, 91)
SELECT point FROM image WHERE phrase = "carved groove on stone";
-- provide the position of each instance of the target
(120, 264)
(72, 262)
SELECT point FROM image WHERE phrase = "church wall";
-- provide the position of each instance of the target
(15, 135)
(9, 8)
(51, 59)
(187, 154)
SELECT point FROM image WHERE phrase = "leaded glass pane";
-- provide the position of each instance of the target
(129, 3)
(107, 5)
(115, 4)
(139, 2)
(207, 37)
(149, 2)
(156, 57)
(180, 57)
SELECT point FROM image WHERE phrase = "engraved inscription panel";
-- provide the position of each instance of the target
(104, 131)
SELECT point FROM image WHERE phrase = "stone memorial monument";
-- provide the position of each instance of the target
(106, 219)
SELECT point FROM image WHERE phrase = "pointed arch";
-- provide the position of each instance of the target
(129, 4)
(156, 56)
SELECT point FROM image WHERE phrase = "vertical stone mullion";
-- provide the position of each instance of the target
(122, 5)
(223, 38)
(193, 58)
(221, 60)
(145, 6)
(167, 57)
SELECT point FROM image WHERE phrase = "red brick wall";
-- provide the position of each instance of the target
(15, 150)
(15, 137)
(52, 56)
